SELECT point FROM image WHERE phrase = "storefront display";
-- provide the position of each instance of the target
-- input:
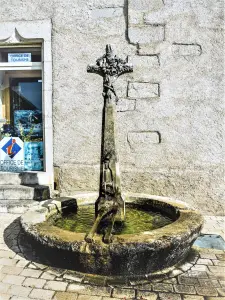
(21, 108)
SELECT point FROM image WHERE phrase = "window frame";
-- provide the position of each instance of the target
(25, 34)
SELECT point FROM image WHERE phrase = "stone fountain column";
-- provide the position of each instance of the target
(110, 67)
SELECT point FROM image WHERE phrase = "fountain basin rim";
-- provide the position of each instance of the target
(188, 220)
(138, 254)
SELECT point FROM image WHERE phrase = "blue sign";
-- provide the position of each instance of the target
(11, 148)
(19, 57)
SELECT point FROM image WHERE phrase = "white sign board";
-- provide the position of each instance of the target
(19, 57)
(11, 154)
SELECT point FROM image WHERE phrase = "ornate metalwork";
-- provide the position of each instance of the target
(110, 67)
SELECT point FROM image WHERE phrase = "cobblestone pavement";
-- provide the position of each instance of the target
(23, 275)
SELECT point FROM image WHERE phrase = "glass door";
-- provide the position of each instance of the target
(26, 119)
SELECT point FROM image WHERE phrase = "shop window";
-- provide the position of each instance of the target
(21, 109)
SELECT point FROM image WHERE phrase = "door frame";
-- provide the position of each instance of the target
(28, 34)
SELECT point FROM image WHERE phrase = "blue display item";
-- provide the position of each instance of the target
(33, 156)
(11, 148)
(29, 122)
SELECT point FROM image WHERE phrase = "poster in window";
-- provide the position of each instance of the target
(29, 122)
(33, 156)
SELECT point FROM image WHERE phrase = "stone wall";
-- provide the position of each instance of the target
(170, 113)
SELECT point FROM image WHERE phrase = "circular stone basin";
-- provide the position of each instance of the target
(138, 219)
(168, 228)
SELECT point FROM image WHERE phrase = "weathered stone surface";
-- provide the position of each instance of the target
(189, 114)
(184, 289)
(124, 105)
(143, 90)
(184, 231)
(187, 50)
(106, 13)
(135, 17)
(143, 140)
(145, 5)
(146, 68)
(146, 295)
(147, 34)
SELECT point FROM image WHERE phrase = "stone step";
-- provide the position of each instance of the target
(16, 206)
(18, 178)
(17, 192)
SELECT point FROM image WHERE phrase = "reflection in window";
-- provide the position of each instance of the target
(21, 110)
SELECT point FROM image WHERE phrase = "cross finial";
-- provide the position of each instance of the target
(110, 67)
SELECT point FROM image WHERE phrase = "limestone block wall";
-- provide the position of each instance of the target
(170, 113)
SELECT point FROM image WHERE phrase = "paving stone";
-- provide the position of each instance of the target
(218, 276)
(221, 291)
(217, 269)
(32, 266)
(146, 295)
(7, 254)
(214, 298)
(47, 276)
(197, 274)
(2, 275)
(175, 272)
(170, 280)
(55, 271)
(222, 283)
(73, 277)
(8, 262)
(162, 287)
(219, 262)
(187, 280)
(22, 263)
(12, 270)
(5, 296)
(185, 267)
(4, 287)
(208, 255)
(13, 279)
(66, 296)
(206, 291)
(204, 261)
(169, 296)
(144, 287)
(109, 298)
(221, 256)
(31, 273)
(19, 298)
(209, 282)
(19, 290)
(184, 289)
(34, 282)
(89, 290)
(200, 268)
(56, 285)
(87, 297)
(195, 297)
(123, 293)
(42, 294)
(40, 266)
(20, 256)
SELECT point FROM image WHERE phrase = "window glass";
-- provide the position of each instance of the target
(25, 54)
(21, 117)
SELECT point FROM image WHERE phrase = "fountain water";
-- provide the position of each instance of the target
(165, 238)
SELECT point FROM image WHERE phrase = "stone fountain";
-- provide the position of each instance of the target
(109, 252)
